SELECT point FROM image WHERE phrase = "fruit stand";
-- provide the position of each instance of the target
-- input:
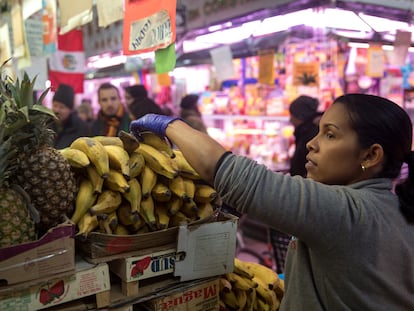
(133, 226)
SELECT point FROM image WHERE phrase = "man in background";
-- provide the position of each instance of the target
(68, 125)
(112, 116)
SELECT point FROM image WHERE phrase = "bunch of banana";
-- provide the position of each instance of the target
(128, 185)
(251, 287)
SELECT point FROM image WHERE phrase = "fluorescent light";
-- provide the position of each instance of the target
(193, 46)
(336, 18)
(227, 36)
(282, 22)
(385, 47)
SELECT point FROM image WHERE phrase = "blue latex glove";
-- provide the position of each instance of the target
(151, 122)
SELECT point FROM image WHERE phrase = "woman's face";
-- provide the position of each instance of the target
(334, 156)
(128, 99)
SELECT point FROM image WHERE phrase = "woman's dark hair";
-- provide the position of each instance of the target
(378, 120)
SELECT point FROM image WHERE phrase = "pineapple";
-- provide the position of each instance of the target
(16, 224)
(43, 173)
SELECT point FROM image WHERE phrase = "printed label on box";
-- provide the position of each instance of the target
(203, 297)
(155, 264)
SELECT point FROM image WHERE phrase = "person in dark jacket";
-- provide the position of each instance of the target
(303, 115)
(68, 125)
(112, 116)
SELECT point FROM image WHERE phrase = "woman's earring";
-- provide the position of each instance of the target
(363, 167)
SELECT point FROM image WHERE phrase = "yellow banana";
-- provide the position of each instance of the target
(251, 301)
(121, 230)
(189, 187)
(158, 161)
(107, 202)
(129, 141)
(113, 220)
(177, 187)
(240, 283)
(136, 164)
(267, 275)
(157, 142)
(87, 223)
(241, 297)
(204, 193)
(163, 219)
(75, 157)
(174, 205)
(189, 209)
(125, 215)
(138, 224)
(230, 299)
(143, 229)
(96, 180)
(116, 181)
(204, 210)
(109, 140)
(185, 169)
(161, 193)
(241, 269)
(148, 179)
(84, 200)
(118, 159)
(225, 284)
(134, 195)
(262, 305)
(147, 212)
(96, 153)
(104, 224)
(178, 219)
(268, 295)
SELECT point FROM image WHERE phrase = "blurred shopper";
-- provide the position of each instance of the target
(141, 106)
(304, 117)
(133, 92)
(112, 116)
(68, 126)
(353, 236)
(85, 112)
(190, 112)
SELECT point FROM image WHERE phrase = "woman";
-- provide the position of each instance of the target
(353, 243)
(190, 113)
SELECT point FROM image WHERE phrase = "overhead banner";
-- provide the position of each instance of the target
(149, 25)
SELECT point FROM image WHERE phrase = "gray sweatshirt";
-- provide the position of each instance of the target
(352, 248)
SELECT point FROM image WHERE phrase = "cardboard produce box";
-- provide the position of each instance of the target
(197, 296)
(100, 247)
(201, 251)
(53, 253)
(87, 280)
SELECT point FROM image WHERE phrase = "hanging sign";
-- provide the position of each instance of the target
(222, 58)
(306, 74)
(149, 25)
(375, 61)
(266, 67)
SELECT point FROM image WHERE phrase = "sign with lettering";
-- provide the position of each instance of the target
(148, 25)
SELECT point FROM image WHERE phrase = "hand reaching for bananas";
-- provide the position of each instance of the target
(152, 122)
